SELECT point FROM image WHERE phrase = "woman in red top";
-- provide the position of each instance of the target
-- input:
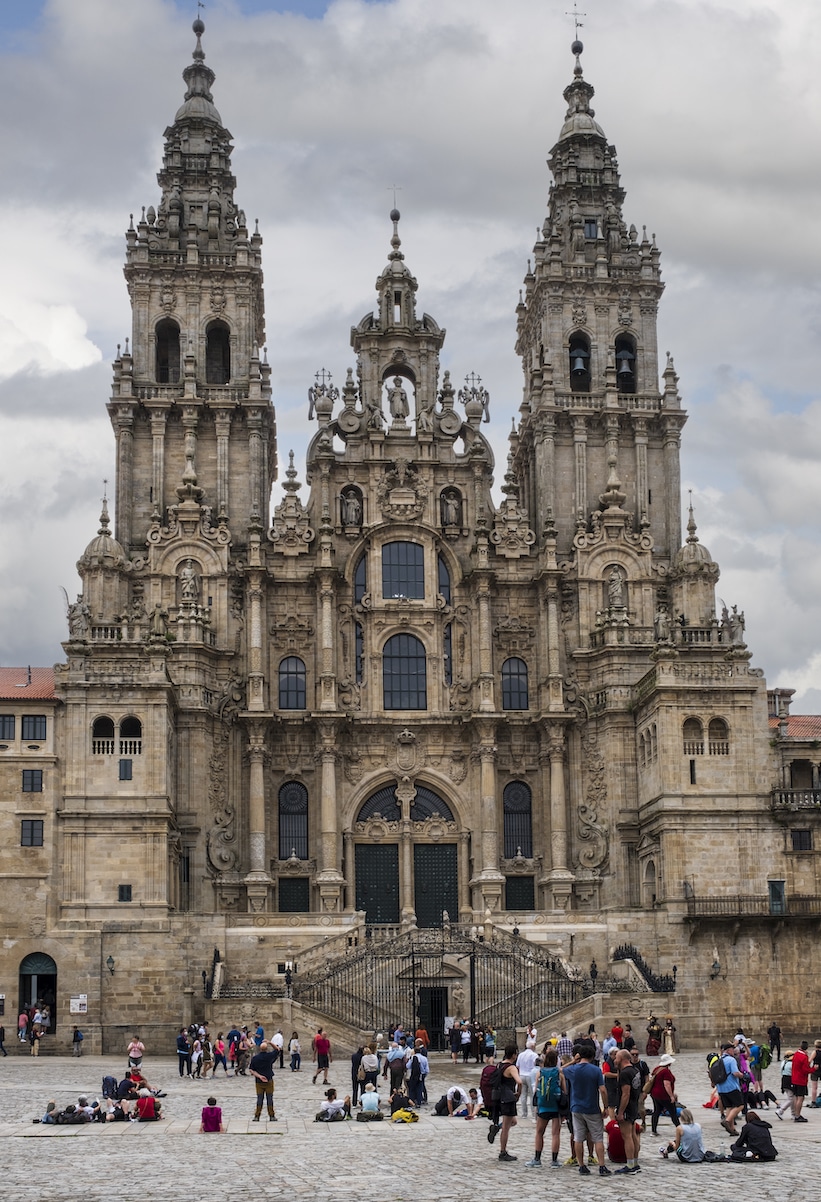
(663, 1093)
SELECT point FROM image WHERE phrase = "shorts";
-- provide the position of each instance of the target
(588, 1125)
(321, 1060)
(799, 1091)
(507, 1110)
(733, 1098)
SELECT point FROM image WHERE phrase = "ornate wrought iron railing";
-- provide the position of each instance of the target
(658, 982)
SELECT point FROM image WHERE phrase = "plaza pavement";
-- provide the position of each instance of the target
(296, 1158)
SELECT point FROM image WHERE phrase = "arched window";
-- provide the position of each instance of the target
(403, 571)
(293, 821)
(217, 353)
(292, 691)
(404, 673)
(167, 368)
(444, 579)
(517, 804)
(102, 737)
(693, 733)
(625, 363)
(718, 737)
(514, 684)
(579, 362)
(360, 580)
(382, 802)
(649, 885)
(427, 804)
(131, 736)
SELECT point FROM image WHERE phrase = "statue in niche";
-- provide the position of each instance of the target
(424, 418)
(376, 418)
(615, 588)
(78, 619)
(189, 584)
(661, 625)
(451, 509)
(159, 629)
(351, 509)
(398, 401)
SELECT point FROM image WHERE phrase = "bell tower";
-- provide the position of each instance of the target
(595, 424)
(190, 402)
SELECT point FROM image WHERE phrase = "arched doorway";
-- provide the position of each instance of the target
(38, 984)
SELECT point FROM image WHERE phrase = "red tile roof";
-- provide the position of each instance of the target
(15, 684)
(800, 726)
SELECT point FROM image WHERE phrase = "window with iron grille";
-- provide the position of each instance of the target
(517, 803)
(293, 821)
(520, 893)
(294, 895)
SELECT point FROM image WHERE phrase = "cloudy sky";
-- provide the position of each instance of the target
(714, 107)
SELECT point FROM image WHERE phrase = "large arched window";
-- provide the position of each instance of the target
(102, 737)
(403, 571)
(579, 362)
(517, 804)
(404, 673)
(293, 821)
(426, 804)
(292, 691)
(167, 368)
(693, 737)
(718, 737)
(217, 353)
(625, 363)
(131, 736)
(514, 684)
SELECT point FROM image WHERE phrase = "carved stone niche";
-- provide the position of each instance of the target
(520, 865)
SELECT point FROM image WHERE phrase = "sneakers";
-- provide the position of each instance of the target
(779, 1115)
(591, 1159)
(584, 1170)
(533, 1164)
(663, 1151)
(506, 1156)
(604, 1171)
(800, 1119)
(571, 1160)
(494, 1130)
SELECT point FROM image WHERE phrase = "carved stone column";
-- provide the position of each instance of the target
(546, 474)
(485, 647)
(580, 455)
(490, 880)
(255, 673)
(223, 428)
(125, 473)
(642, 486)
(672, 482)
(555, 699)
(327, 676)
(465, 908)
(559, 879)
(330, 880)
(255, 456)
(408, 910)
(159, 418)
(258, 880)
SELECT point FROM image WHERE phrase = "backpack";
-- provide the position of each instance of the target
(548, 1089)
(495, 1082)
(110, 1087)
(716, 1068)
(765, 1056)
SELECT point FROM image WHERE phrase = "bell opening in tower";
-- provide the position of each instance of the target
(217, 353)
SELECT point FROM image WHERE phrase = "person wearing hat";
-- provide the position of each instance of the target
(663, 1092)
(730, 1097)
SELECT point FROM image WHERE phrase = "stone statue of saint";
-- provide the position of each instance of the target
(78, 619)
(376, 418)
(615, 589)
(351, 509)
(451, 510)
(737, 625)
(398, 400)
(661, 625)
(424, 418)
(189, 585)
(158, 625)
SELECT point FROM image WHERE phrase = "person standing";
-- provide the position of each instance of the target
(800, 1077)
(183, 1053)
(550, 1087)
(295, 1052)
(278, 1043)
(22, 1026)
(526, 1064)
(322, 1051)
(627, 1109)
(587, 1099)
(219, 1054)
(668, 1038)
(730, 1097)
(774, 1035)
(3, 1040)
(510, 1090)
(262, 1069)
(77, 1042)
(663, 1093)
(135, 1051)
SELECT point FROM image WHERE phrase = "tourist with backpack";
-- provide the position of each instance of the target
(551, 1089)
(506, 1087)
(726, 1076)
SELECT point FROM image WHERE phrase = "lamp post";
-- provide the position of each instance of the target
(110, 965)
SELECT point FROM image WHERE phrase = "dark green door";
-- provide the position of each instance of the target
(377, 881)
(433, 1005)
(435, 883)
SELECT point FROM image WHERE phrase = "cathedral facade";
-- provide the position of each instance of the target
(382, 702)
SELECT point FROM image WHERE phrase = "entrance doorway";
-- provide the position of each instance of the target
(38, 984)
(377, 882)
(433, 1002)
(435, 883)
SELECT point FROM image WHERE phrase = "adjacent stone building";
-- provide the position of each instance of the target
(389, 704)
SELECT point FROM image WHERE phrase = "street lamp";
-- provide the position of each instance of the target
(110, 965)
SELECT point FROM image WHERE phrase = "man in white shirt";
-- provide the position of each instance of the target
(526, 1064)
(278, 1044)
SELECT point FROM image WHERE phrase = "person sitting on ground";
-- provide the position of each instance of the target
(92, 1109)
(400, 1100)
(114, 1111)
(334, 1109)
(469, 1107)
(140, 1082)
(755, 1141)
(688, 1144)
(369, 1105)
(211, 1119)
(51, 1112)
(71, 1116)
(450, 1101)
(615, 1141)
(148, 1108)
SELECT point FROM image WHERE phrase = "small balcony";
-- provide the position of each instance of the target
(794, 801)
(776, 906)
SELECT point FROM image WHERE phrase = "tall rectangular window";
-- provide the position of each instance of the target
(403, 571)
(123, 893)
(801, 840)
(34, 728)
(6, 726)
(32, 780)
(126, 769)
(31, 832)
